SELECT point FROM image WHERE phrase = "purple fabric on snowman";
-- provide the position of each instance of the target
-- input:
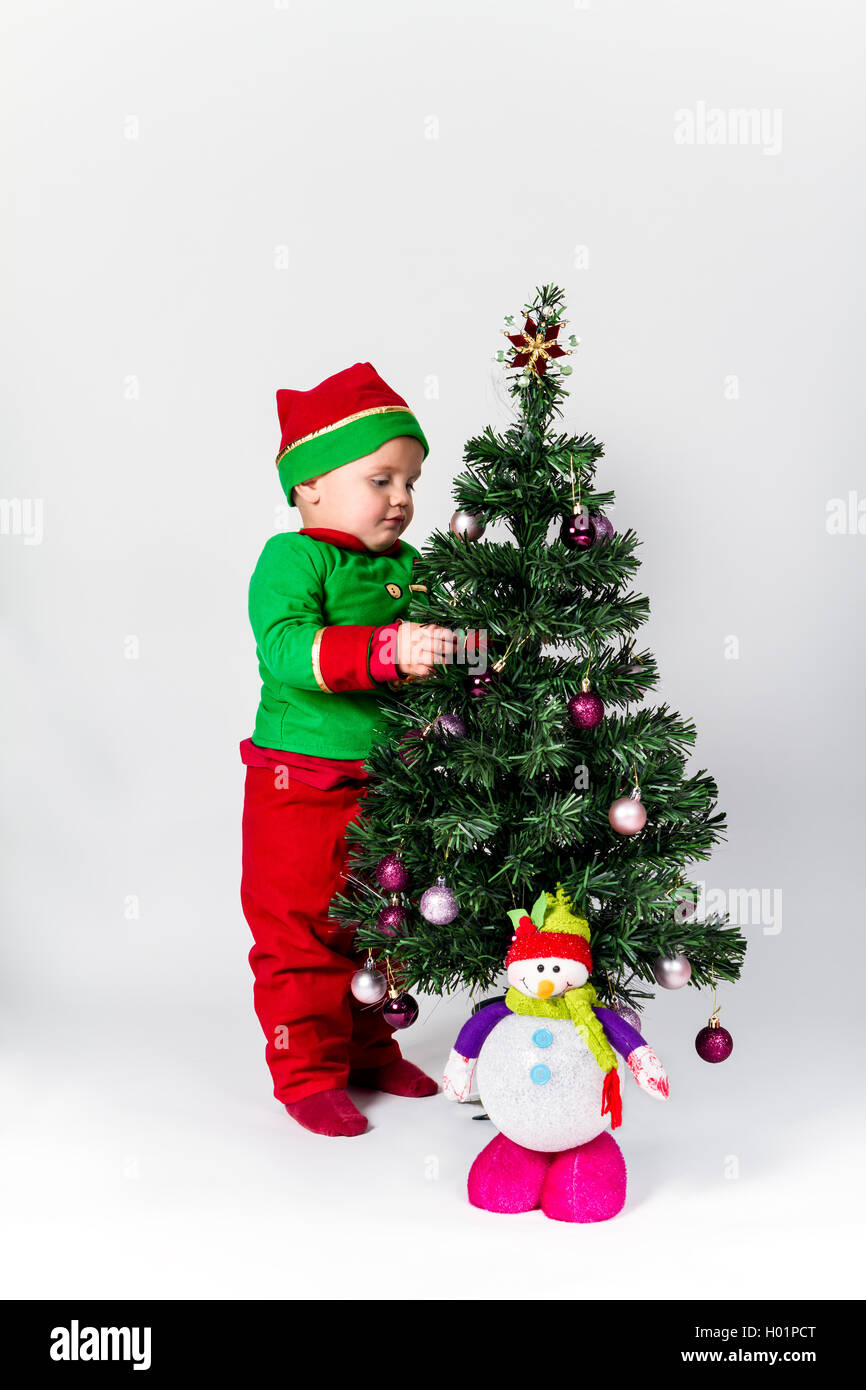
(477, 1029)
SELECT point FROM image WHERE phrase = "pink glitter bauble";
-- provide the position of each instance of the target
(439, 904)
(391, 920)
(392, 874)
(714, 1044)
(585, 710)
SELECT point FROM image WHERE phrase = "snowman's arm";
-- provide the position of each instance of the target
(644, 1065)
(460, 1067)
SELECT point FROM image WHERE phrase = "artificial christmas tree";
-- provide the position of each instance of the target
(527, 762)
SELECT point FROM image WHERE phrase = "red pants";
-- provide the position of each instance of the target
(294, 853)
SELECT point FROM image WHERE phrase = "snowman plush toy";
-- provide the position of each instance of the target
(545, 1067)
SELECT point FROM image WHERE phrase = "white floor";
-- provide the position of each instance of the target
(143, 1155)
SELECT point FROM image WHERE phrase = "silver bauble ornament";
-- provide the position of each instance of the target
(439, 904)
(369, 985)
(627, 815)
(467, 525)
(672, 972)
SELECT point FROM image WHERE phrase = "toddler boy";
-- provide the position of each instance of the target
(326, 605)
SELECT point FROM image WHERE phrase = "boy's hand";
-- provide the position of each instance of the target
(421, 646)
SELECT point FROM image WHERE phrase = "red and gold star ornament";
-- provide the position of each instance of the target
(535, 346)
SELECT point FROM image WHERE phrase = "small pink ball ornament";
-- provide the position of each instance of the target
(577, 531)
(392, 919)
(585, 710)
(439, 904)
(603, 528)
(466, 525)
(627, 1013)
(479, 685)
(672, 972)
(448, 726)
(400, 1011)
(714, 1043)
(627, 815)
(392, 874)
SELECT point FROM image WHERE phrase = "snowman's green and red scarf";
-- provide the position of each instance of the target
(601, 1029)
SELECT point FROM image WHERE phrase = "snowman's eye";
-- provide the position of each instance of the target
(556, 970)
(540, 969)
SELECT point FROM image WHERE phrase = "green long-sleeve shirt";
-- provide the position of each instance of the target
(324, 611)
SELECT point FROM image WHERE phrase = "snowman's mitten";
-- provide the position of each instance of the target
(648, 1072)
(457, 1079)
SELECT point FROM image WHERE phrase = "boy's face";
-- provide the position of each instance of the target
(370, 497)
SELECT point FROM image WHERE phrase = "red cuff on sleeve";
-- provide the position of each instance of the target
(383, 653)
(343, 657)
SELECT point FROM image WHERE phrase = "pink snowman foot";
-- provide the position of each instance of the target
(586, 1183)
(506, 1177)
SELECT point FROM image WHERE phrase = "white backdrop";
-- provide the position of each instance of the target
(206, 202)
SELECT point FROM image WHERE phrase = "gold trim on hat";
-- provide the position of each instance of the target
(347, 420)
(317, 669)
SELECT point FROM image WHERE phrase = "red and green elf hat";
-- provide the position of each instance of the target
(345, 417)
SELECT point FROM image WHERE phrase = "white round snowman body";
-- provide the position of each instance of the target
(540, 1083)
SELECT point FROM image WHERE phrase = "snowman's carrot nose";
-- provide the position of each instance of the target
(545, 988)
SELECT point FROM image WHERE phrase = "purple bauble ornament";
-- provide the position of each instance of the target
(603, 528)
(585, 710)
(392, 874)
(391, 920)
(409, 750)
(369, 985)
(577, 531)
(449, 726)
(439, 904)
(400, 1011)
(467, 525)
(479, 685)
(628, 1014)
(627, 815)
(714, 1043)
(672, 972)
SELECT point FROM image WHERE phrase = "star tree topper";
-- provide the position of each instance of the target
(535, 347)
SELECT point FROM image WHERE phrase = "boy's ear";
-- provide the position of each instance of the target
(306, 491)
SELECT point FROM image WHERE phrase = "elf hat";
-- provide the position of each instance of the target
(563, 934)
(345, 417)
